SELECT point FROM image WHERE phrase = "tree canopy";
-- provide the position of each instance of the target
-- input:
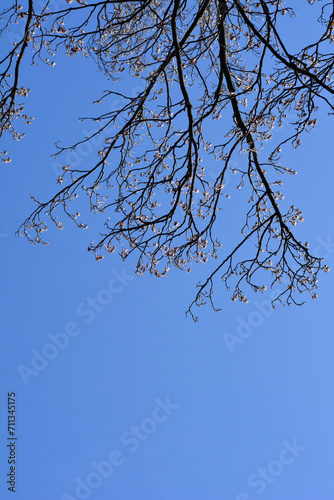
(216, 77)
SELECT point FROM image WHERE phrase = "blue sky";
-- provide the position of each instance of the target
(119, 395)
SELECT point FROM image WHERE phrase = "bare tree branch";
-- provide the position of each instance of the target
(200, 64)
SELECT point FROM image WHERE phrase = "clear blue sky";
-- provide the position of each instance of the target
(119, 396)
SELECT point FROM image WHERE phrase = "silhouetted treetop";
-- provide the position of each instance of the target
(214, 80)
